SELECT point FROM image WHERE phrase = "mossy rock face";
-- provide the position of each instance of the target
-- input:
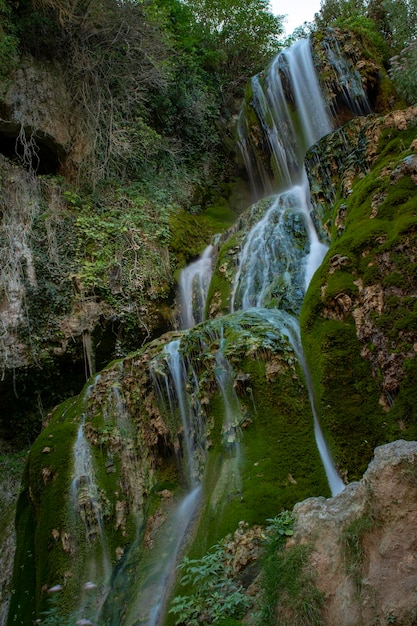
(269, 274)
(358, 318)
(251, 416)
(84, 500)
(350, 67)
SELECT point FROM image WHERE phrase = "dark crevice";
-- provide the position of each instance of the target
(34, 150)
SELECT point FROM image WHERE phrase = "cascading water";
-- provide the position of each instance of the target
(238, 367)
(174, 388)
(292, 330)
(154, 584)
(348, 78)
(277, 261)
(282, 251)
(193, 286)
(87, 507)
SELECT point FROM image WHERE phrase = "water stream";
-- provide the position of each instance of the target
(276, 263)
(282, 251)
(193, 286)
(86, 506)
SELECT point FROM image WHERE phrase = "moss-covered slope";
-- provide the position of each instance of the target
(252, 443)
(359, 315)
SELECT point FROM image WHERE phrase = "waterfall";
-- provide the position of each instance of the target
(177, 385)
(336, 484)
(349, 79)
(87, 507)
(282, 251)
(236, 385)
(193, 286)
(286, 134)
(280, 254)
(158, 571)
(170, 376)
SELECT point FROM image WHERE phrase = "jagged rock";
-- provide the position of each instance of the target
(379, 513)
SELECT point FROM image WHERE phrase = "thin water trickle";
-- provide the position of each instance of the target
(171, 385)
(86, 505)
(193, 287)
(336, 485)
(180, 399)
(148, 607)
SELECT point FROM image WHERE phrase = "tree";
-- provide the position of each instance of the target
(339, 10)
(243, 37)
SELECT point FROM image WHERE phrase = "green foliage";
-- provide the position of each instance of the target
(279, 528)
(339, 10)
(242, 36)
(288, 594)
(121, 245)
(396, 22)
(52, 615)
(403, 73)
(11, 470)
(8, 42)
(215, 596)
(352, 545)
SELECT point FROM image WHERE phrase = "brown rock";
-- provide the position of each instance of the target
(385, 500)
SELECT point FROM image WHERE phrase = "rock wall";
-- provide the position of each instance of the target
(65, 310)
(359, 313)
(363, 543)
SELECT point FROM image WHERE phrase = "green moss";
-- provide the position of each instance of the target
(289, 596)
(189, 236)
(351, 540)
(43, 512)
(275, 464)
(347, 396)
(221, 284)
(374, 249)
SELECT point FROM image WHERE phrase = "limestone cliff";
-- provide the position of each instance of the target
(363, 544)
(228, 404)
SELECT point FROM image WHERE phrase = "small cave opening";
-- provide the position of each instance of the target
(34, 150)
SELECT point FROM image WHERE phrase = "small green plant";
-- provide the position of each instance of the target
(279, 528)
(288, 594)
(215, 597)
(403, 73)
(352, 545)
(53, 616)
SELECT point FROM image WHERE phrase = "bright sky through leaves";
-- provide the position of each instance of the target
(297, 11)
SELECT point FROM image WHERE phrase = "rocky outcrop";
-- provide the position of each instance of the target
(39, 126)
(361, 191)
(363, 543)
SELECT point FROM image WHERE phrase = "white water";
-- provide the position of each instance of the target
(292, 330)
(232, 413)
(152, 595)
(86, 504)
(269, 251)
(193, 287)
(273, 264)
(272, 249)
(181, 399)
(311, 107)
(349, 79)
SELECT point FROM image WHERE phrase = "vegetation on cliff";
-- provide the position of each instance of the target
(110, 207)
